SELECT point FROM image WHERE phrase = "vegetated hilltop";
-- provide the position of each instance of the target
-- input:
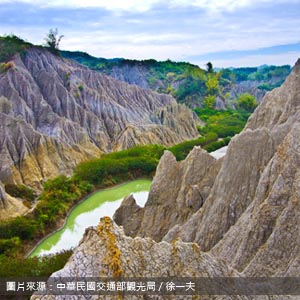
(56, 113)
(239, 216)
(188, 83)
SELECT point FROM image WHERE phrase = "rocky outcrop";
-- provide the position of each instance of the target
(187, 183)
(133, 74)
(246, 86)
(233, 190)
(105, 251)
(265, 240)
(56, 113)
(28, 156)
(10, 205)
(166, 133)
(131, 214)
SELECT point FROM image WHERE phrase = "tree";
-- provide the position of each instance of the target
(212, 84)
(209, 67)
(246, 102)
(209, 101)
(53, 39)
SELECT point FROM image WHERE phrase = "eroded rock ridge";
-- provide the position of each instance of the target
(55, 113)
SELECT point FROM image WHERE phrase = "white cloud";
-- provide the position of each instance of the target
(214, 5)
(145, 5)
(217, 6)
(128, 5)
(192, 28)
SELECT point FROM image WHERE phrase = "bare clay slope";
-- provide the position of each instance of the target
(56, 113)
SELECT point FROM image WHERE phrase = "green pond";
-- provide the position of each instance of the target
(89, 212)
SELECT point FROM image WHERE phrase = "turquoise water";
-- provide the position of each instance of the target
(89, 212)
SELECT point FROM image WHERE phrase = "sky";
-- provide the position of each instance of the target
(229, 33)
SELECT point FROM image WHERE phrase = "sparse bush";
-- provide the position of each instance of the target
(20, 191)
(33, 266)
(10, 45)
(246, 102)
(6, 66)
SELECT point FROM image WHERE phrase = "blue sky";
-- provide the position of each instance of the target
(225, 32)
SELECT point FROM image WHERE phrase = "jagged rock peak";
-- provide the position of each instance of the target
(178, 190)
(280, 107)
(131, 214)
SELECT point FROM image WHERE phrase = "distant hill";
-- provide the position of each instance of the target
(189, 83)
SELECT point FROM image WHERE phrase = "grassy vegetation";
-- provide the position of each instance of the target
(34, 266)
(20, 191)
(224, 124)
(263, 73)
(61, 193)
(182, 150)
(220, 126)
(119, 166)
(58, 196)
(10, 45)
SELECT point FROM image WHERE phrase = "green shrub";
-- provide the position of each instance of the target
(6, 66)
(33, 267)
(22, 227)
(10, 246)
(183, 149)
(20, 191)
(10, 45)
(209, 101)
(213, 146)
(139, 160)
(246, 102)
(224, 122)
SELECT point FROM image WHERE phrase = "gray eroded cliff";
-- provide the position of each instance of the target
(55, 113)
